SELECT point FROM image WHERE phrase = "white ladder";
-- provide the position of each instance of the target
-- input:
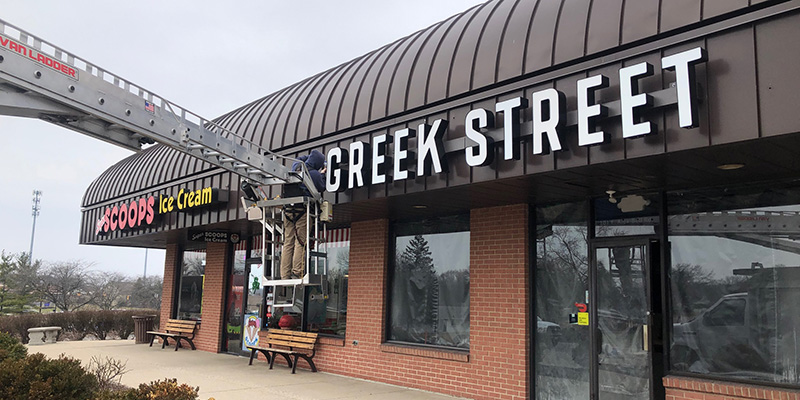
(41, 80)
(315, 266)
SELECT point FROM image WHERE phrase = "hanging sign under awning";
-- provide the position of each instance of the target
(213, 237)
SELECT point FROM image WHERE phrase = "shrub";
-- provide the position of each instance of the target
(102, 323)
(108, 372)
(18, 325)
(36, 377)
(81, 323)
(123, 323)
(76, 324)
(163, 389)
(11, 348)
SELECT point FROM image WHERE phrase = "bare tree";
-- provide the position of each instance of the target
(69, 285)
(111, 289)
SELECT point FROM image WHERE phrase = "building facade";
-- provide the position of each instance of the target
(533, 199)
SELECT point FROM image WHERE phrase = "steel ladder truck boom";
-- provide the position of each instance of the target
(41, 80)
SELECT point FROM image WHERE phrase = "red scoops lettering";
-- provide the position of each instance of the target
(136, 213)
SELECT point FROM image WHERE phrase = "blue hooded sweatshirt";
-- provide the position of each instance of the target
(314, 162)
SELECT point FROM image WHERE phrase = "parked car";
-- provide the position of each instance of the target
(549, 330)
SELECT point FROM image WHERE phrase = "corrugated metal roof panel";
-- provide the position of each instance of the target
(491, 43)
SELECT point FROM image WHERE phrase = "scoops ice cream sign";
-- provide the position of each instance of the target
(143, 211)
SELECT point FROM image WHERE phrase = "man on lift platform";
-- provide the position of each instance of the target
(294, 218)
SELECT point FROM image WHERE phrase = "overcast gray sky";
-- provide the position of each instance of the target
(207, 56)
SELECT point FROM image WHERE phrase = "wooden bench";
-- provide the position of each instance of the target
(176, 329)
(289, 344)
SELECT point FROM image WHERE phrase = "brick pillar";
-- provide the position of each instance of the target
(366, 292)
(209, 336)
(500, 302)
(171, 265)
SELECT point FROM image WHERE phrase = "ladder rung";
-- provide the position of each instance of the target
(283, 282)
(318, 254)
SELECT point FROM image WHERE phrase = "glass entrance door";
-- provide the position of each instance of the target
(233, 308)
(624, 278)
(254, 298)
(243, 313)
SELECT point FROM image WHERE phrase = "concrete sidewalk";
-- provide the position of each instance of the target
(228, 377)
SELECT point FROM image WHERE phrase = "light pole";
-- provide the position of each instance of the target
(37, 198)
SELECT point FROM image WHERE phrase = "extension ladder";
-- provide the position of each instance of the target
(315, 269)
(41, 80)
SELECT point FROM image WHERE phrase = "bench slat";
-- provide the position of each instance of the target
(293, 345)
(188, 324)
(182, 330)
(184, 323)
(280, 340)
(287, 342)
(291, 339)
(290, 342)
(189, 327)
(292, 333)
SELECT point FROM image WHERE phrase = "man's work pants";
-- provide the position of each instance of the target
(294, 238)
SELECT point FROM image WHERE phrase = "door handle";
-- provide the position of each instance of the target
(646, 337)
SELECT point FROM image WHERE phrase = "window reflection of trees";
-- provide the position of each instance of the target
(191, 284)
(562, 274)
(563, 270)
(430, 303)
(194, 263)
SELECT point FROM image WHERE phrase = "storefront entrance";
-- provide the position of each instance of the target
(243, 313)
(625, 319)
(598, 301)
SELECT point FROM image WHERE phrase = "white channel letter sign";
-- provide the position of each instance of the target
(388, 157)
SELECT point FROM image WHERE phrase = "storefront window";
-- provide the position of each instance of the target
(190, 297)
(562, 281)
(430, 282)
(327, 309)
(735, 279)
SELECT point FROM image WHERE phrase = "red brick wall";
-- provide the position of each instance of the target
(499, 300)
(679, 388)
(496, 366)
(209, 336)
(171, 261)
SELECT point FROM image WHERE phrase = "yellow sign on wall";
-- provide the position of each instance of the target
(583, 318)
